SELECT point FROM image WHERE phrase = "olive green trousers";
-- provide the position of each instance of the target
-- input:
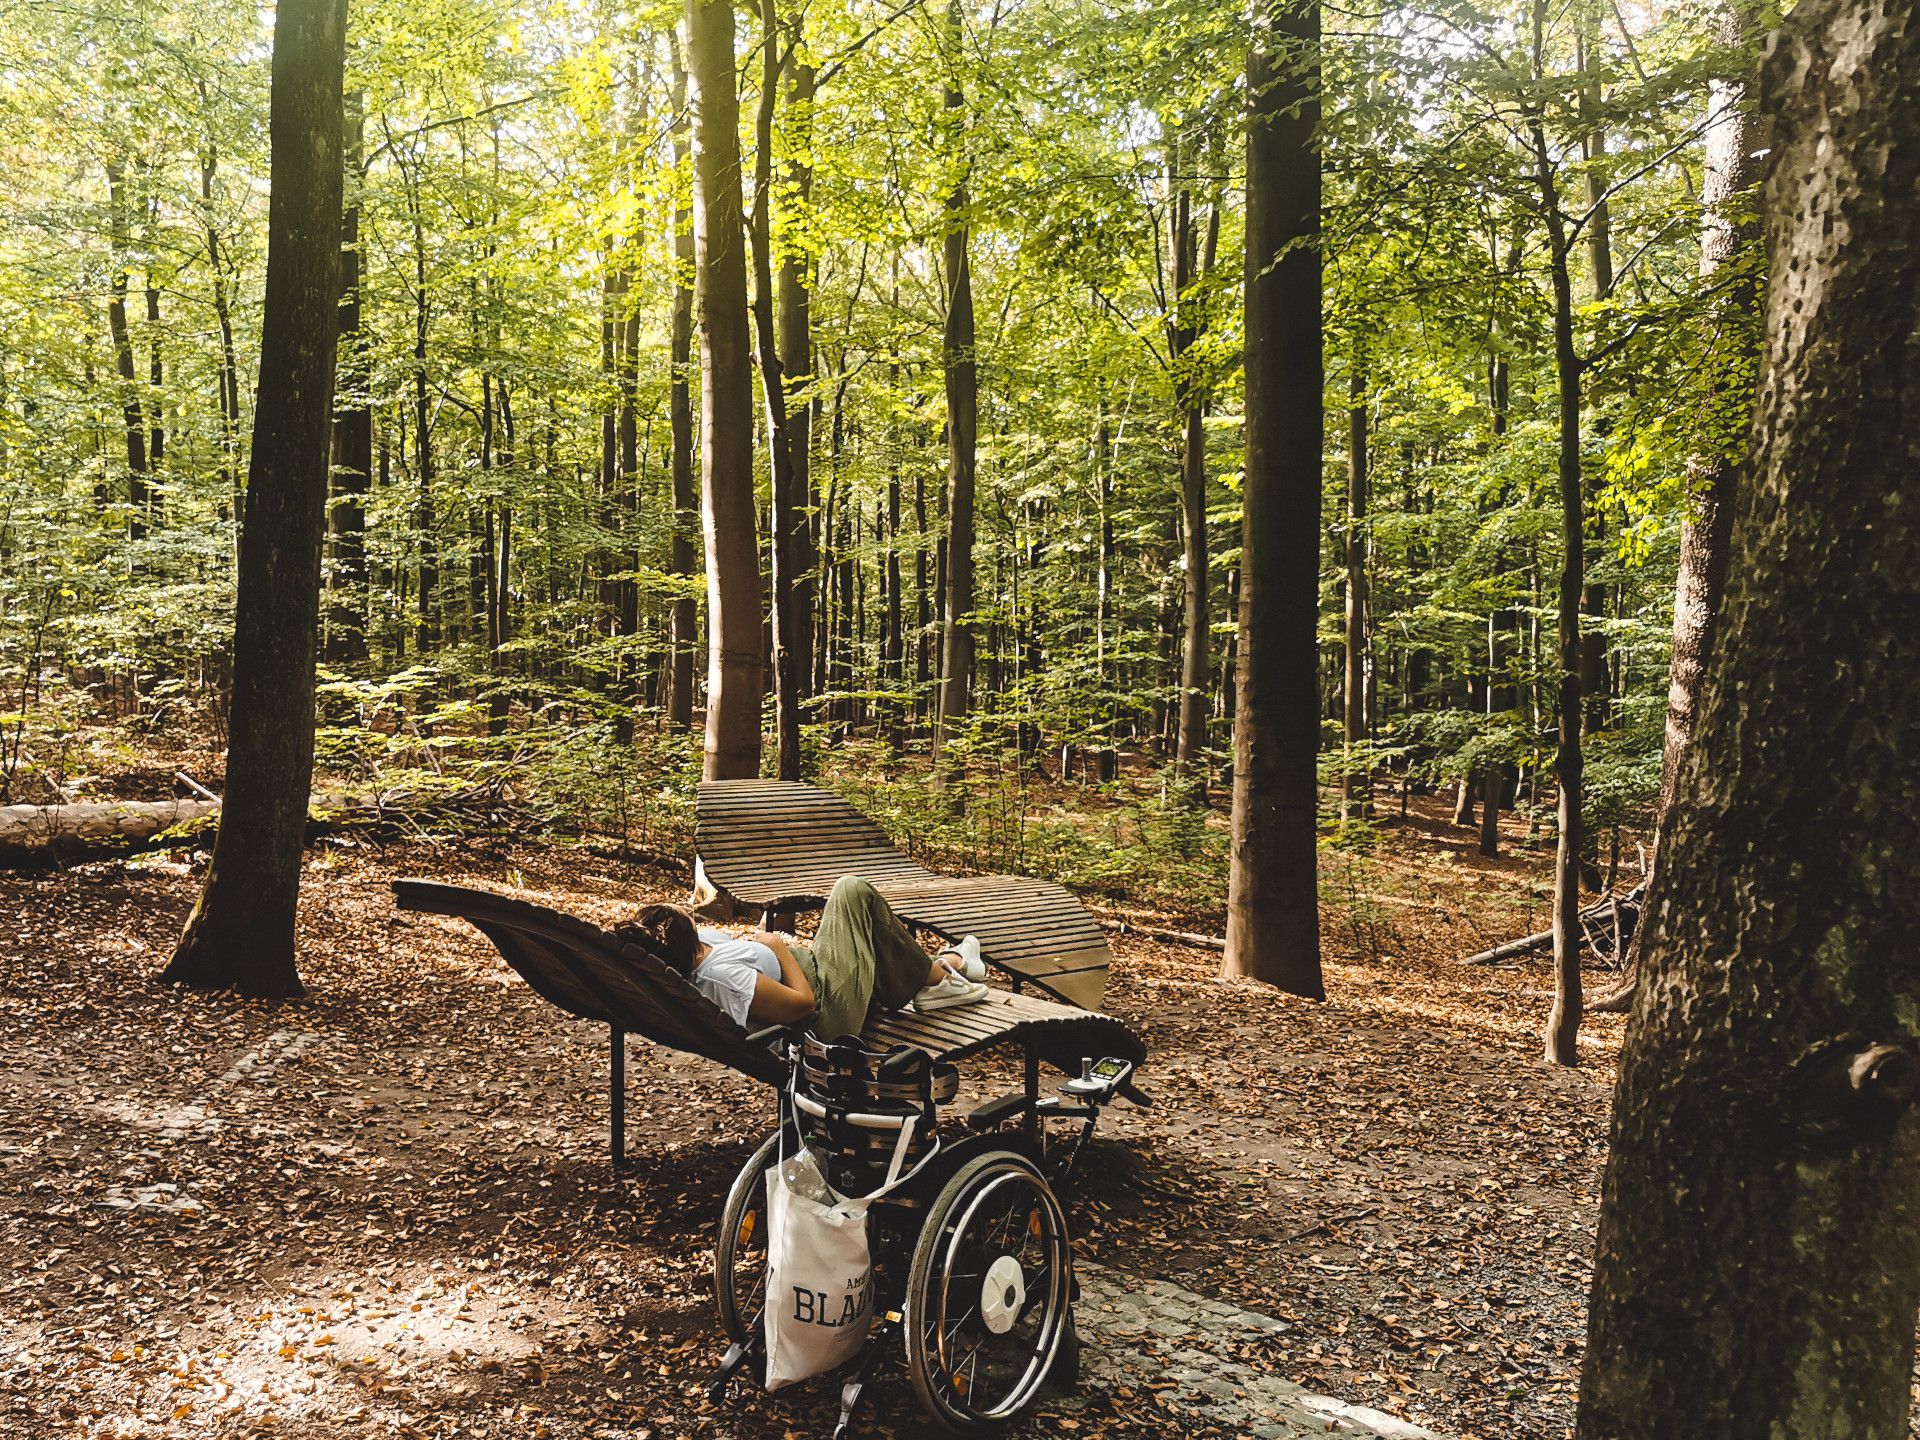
(863, 960)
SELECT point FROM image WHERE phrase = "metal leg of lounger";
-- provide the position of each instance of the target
(617, 1087)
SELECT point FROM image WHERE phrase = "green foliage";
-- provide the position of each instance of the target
(516, 201)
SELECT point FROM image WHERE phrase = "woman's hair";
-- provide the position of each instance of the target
(673, 934)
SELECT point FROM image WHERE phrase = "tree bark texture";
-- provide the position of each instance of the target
(229, 379)
(1183, 331)
(963, 404)
(118, 332)
(684, 620)
(1729, 228)
(352, 431)
(794, 293)
(1273, 927)
(240, 934)
(1563, 1018)
(32, 836)
(734, 669)
(1356, 789)
(1758, 1262)
(788, 619)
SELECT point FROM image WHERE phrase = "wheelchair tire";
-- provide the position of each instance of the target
(989, 1295)
(740, 1250)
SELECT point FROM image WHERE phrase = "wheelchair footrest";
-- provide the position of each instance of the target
(738, 1357)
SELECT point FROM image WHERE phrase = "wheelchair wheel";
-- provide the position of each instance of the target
(740, 1252)
(989, 1294)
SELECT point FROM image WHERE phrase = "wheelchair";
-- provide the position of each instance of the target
(973, 1265)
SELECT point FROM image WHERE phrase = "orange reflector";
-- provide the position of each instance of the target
(746, 1226)
(1033, 1223)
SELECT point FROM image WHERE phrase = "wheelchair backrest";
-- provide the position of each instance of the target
(848, 1079)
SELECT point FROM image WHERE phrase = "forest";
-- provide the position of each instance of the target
(1334, 488)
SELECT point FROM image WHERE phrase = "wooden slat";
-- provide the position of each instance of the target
(597, 976)
(781, 845)
(603, 978)
(1061, 1033)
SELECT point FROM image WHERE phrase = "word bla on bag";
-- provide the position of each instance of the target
(810, 1307)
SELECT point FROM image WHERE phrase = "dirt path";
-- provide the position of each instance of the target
(386, 1209)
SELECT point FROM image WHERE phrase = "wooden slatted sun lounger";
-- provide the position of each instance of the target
(622, 983)
(780, 846)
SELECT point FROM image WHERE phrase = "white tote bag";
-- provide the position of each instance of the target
(819, 1303)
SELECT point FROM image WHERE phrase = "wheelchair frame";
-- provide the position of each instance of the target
(622, 982)
(981, 1222)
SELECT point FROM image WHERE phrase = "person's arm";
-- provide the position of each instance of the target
(788, 1000)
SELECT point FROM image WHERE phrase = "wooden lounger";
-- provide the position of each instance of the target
(780, 846)
(623, 983)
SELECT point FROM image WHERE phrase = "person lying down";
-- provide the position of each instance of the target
(863, 961)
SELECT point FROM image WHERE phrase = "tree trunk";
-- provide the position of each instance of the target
(794, 294)
(726, 401)
(499, 569)
(425, 630)
(1758, 1262)
(130, 408)
(157, 400)
(352, 430)
(788, 619)
(893, 670)
(1726, 230)
(38, 836)
(240, 934)
(1594, 687)
(683, 622)
(229, 378)
(963, 401)
(1356, 788)
(1273, 929)
(1183, 330)
(923, 668)
(1563, 1019)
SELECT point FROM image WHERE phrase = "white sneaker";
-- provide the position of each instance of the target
(967, 952)
(954, 990)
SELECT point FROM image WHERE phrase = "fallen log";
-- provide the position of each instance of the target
(1620, 913)
(37, 835)
(1173, 937)
(1525, 945)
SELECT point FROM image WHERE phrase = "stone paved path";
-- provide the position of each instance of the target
(1153, 1333)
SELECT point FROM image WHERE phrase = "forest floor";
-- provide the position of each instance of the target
(386, 1208)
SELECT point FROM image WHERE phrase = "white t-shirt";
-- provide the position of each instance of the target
(732, 969)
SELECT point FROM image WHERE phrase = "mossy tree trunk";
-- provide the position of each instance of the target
(1758, 1263)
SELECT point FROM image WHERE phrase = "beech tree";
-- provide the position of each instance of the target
(963, 405)
(240, 934)
(1729, 231)
(515, 505)
(1273, 918)
(1758, 1261)
(734, 671)
(788, 653)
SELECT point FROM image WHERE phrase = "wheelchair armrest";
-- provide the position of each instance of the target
(996, 1112)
